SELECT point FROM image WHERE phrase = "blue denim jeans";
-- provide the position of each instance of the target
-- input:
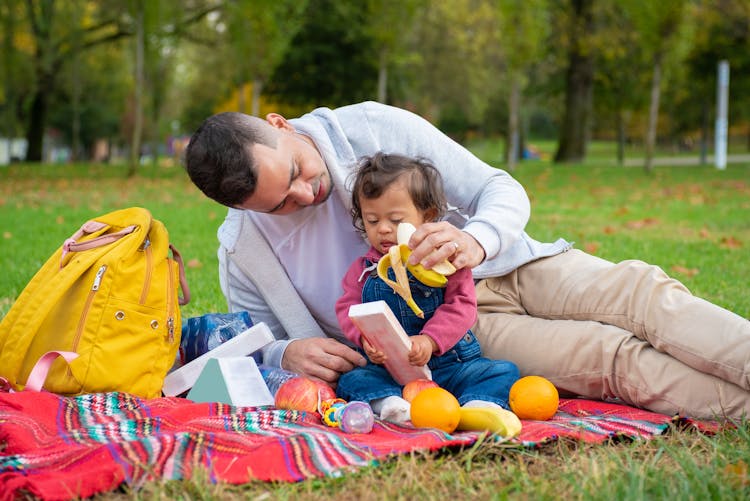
(461, 370)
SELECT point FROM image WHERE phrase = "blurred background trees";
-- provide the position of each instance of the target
(133, 78)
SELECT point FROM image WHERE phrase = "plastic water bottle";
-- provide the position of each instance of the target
(202, 334)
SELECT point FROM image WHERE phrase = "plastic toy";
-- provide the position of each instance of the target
(352, 417)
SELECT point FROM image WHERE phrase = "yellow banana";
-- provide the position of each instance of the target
(430, 278)
(492, 419)
(434, 277)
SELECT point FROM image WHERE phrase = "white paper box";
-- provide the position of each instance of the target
(249, 341)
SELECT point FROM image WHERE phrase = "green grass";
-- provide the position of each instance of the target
(692, 221)
(598, 153)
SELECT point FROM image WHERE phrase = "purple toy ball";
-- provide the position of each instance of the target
(356, 417)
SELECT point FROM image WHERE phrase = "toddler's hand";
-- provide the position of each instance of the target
(422, 348)
(376, 356)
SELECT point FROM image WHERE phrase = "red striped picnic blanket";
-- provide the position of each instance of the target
(57, 447)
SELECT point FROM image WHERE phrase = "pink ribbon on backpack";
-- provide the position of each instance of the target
(38, 374)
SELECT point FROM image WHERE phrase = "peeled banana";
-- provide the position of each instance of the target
(493, 419)
(432, 277)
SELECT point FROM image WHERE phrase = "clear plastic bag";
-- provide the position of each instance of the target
(204, 333)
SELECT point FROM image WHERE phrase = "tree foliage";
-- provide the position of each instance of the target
(641, 71)
(330, 61)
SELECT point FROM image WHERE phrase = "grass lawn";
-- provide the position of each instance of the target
(692, 221)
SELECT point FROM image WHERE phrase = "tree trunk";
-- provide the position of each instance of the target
(255, 100)
(8, 85)
(514, 106)
(578, 86)
(653, 113)
(383, 77)
(621, 137)
(135, 144)
(37, 119)
(241, 97)
(76, 105)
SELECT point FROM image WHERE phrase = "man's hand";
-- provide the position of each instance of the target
(321, 358)
(422, 348)
(433, 243)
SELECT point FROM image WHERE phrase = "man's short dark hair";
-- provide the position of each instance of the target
(218, 158)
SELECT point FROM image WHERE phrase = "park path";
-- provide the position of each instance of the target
(686, 160)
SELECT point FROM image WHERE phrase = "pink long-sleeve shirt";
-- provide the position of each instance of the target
(447, 325)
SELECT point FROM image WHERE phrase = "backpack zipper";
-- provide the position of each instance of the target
(170, 304)
(84, 314)
(146, 248)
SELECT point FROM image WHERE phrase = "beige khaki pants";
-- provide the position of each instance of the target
(604, 330)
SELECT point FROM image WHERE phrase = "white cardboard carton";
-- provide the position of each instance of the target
(182, 379)
(231, 380)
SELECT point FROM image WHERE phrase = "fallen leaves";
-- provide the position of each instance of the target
(639, 224)
(688, 272)
(737, 473)
(591, 247)
(730, 243)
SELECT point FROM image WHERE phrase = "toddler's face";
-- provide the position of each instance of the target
(382, 215)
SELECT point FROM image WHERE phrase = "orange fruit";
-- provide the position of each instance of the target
(533, 397)
(435, 408)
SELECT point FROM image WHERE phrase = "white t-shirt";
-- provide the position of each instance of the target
(314, 231)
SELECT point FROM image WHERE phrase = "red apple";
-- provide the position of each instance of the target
(413, 387)
(302, 394)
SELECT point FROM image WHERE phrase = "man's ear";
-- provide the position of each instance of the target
(279, 122)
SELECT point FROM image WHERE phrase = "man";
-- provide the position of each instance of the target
(594, 328)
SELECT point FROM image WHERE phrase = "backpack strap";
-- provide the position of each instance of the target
(38, 374)
(185, 298)
(253, 256)
(72, 245)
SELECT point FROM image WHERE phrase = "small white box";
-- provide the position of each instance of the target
(231, 380)
(249, 341)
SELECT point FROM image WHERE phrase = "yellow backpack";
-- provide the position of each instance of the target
(109, 294)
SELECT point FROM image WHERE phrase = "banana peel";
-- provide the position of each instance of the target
(401, 285)
(493, 419)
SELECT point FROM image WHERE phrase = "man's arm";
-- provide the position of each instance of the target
(352, 294)
(322, 358)
(494, 208)
(242, 295)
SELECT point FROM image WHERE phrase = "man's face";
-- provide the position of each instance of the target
(291, 176)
